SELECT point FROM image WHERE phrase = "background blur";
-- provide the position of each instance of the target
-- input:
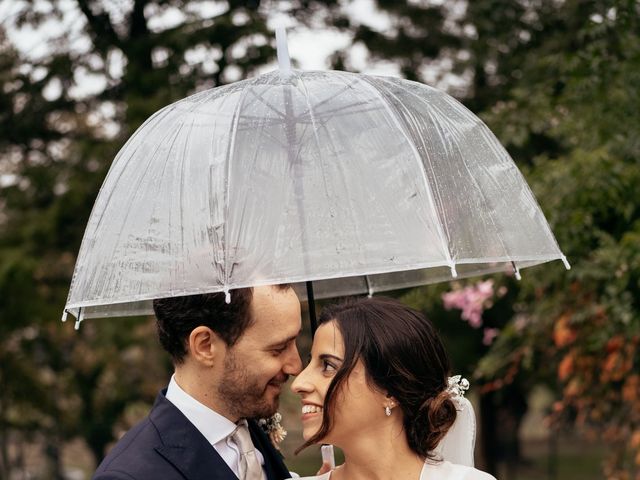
(553, 359)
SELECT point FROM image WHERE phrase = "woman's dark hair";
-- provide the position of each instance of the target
(403, 355)
(176, 317)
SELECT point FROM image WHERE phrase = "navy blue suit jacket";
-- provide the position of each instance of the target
(166, 445)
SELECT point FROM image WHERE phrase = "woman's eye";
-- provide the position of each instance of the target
(328, 366)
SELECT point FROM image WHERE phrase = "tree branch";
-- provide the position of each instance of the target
(101, 29)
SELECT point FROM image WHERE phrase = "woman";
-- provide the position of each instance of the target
(376, 386)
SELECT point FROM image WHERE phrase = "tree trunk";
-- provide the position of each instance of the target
(52, 453)
(488, 434)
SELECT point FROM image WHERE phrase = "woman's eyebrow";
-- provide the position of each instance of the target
(325, 356)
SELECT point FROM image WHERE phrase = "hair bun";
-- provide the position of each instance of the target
(431, 423)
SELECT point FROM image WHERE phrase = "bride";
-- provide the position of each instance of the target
(376, 386)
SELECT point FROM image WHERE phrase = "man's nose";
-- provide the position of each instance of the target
(293, 365)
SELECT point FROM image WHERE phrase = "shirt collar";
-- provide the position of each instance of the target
(211, 424)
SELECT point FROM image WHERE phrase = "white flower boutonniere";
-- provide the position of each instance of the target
(273, 429)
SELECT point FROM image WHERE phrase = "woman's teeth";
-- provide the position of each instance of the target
(311, 409)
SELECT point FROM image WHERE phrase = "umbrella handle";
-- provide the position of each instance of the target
(311, 301)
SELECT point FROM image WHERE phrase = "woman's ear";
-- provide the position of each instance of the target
(390, 401)
(205, 345)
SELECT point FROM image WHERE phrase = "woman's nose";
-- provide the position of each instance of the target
(301, 383)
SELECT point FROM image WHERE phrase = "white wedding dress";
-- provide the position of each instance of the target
(440, 471)
(457, 446)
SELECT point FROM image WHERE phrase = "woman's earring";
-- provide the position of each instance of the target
(387, 411)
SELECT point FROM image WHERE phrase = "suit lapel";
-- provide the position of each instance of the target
(184, 446)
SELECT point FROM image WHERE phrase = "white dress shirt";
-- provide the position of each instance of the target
(213, 426)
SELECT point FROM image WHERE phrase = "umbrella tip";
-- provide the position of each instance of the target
(227, 296)
(284, 62)
(64, 315)
(454, 272)
(566, 262)
(369, 287)
(516, 271)
(79, 319)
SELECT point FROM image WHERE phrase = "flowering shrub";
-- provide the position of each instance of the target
(473, 300)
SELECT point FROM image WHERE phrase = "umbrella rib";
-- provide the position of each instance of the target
(471, 176)
(329, 113)
(167, 158)
(350, 210)
(269, 106)
(230, 152)
(437, 191)
(333, 97)
(444, 237)
(183, 168)
(345, 112)
(129, 211)
(165, 111)
(500, 151)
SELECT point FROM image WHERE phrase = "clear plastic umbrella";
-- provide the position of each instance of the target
(359, 183)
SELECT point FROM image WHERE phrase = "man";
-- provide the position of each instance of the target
(231, 361)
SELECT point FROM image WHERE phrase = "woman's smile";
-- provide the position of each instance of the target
(310, 411)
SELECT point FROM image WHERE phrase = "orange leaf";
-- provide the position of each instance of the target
(563, 334)
(615, 343)
(565, 368)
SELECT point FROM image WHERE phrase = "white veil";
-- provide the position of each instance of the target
(459, 443)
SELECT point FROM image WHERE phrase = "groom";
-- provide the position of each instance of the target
(231, 361)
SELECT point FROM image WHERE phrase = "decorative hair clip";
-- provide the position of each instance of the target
(271, 426)
(457, 386)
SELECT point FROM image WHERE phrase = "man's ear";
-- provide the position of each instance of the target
(205, 346)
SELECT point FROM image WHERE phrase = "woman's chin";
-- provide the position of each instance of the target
(308, 433)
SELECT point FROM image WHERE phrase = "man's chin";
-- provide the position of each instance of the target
(267, 407)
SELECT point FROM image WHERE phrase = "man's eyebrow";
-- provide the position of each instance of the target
(282, 343)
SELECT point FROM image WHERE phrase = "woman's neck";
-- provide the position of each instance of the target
(384, 456)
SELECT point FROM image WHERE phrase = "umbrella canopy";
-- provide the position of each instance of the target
(360, 183)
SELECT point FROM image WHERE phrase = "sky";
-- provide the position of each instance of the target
(309, 48)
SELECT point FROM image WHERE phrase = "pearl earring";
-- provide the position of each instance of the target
(387, 411)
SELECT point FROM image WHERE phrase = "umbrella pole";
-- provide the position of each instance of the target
(312, 308)
(285, 70)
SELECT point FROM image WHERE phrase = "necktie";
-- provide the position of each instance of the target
(250, 468)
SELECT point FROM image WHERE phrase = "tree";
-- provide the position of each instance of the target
(552, 79)
(56, 145)
(582, 328)
(557, 82)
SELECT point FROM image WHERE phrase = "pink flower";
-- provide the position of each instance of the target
(471, 300)
(489, 335)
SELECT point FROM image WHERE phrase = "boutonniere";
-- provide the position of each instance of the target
(273, 429)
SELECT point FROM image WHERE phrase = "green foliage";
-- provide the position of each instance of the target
(557, 82)
(582, 327)
(56, 145)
